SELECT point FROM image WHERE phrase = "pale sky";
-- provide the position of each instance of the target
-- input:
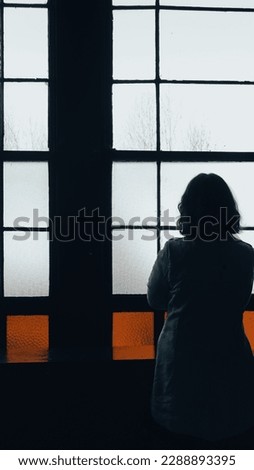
(193, 46)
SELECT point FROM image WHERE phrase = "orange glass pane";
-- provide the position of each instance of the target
(248, 323)
(27, 338)
(133, 335)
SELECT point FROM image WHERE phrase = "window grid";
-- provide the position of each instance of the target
(28, 306)
(139, 302)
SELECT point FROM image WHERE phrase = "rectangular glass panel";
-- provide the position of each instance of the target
(26, 264)
(248, 323)
(27, 338)
(26, 51)
(248, 237)
(133, 335)
(133, 2)
(26, 116)
(203, 45)
(238, 175)
(134, 193)
(134, 117)
(210, 3)
(134, 253)
(207, 118)
(26, 194)
(134, 44)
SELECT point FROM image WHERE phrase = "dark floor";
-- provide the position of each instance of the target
(95, 405)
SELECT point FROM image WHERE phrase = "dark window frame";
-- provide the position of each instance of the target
(138, 303)
(30, 306)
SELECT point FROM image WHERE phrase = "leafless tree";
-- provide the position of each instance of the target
(140, 131)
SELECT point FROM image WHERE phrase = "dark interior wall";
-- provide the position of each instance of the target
(80, 169)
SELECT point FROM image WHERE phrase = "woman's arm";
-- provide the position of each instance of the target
(158, 285)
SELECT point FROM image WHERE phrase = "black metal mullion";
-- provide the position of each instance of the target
(183, 8)
(25, 80)
(158, 123)
(26, 229)
(181, 82)
(138, 303)
(216, 9)
(26, 5)
(137, 227)
(180, 156)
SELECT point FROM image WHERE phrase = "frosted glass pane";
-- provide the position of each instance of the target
(133, 260)
(26, 193)
(168, 235)
(27, 338)
(134, 44)
(27, 1)
(210, 3)
(247, 236)
(134, 193)
(133, 2)
(207, 117)
(134, 117)
(26, 116)
(248, 323)
(133, 335)
(26, 264)
(26, 51)
(238, 175)
(198, 45)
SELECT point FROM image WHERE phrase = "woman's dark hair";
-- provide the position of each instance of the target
(208, 208)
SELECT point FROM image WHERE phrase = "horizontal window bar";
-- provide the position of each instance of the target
(164, 156)
(24, 80)
(131, 303)
(25, 156)
(188, 8)
(26, 306)
(26, 229)
(183, 82)
(135, 227)
(156, 227)
(24, 5)
(134, 303)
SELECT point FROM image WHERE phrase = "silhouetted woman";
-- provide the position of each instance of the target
(203, 383)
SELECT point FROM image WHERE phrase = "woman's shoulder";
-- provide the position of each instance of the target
(241, 244)
(182, 243)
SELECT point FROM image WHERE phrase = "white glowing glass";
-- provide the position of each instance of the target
(205, 45)
(207, 118)
(26, 116)
(248, 237)
(134, 44)
(134, 117)
(238, 175)
(26, 264)
(133, 260)
(134, 193)
(26, 43)
(26, 194)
